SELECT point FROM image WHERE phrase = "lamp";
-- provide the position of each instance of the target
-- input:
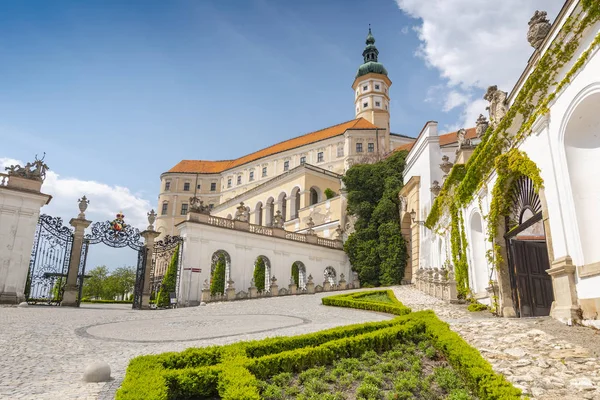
(413, 216)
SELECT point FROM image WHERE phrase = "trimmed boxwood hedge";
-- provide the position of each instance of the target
(232, 372)
(107, 301)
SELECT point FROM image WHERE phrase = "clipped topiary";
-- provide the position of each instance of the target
(296, 273)
(169, 282)
(259, 274)
(217, 283)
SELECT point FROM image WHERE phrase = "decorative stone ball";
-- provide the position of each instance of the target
(98, 371)
(24, 304)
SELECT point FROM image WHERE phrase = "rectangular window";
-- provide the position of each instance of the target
(320, 156)
(371, 147)
(184, 209)
(198, 187)
(251, 176)
(213, 186)
(340, 151)
(376, 87)
(302, 160)
(377, 104)
(365, 105)
(264, 171)
(359, 147)
(211, 206)
(365, 87)
(239, 180)
(165, 207)
(286, 165)
(167, 186)
(186, 187)
(228, 182)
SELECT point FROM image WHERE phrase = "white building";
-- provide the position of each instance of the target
(524, 195)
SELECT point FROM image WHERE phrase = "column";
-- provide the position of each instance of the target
(149, 236)
(70, 295)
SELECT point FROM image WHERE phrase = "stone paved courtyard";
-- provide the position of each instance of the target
(44, 350)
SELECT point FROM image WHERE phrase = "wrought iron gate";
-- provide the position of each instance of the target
(139, 279)
(161, 258)
(49, 263)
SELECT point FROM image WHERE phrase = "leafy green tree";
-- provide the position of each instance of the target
(259, 274)
(94, 285)
(121, 281)
(329, 193)
(58, 288)
(376, 249)
(169, 281)
(296, 273)
(217, 283)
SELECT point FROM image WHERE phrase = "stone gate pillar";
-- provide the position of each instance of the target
(149, 236)
(20, 203)
(79, 223)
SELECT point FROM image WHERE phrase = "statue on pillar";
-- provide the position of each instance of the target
(481, 126)
(539, 28)
(197, 206)
(278, 220)
(242, 213)
(497, 107)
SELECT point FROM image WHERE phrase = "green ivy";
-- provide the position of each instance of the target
(259, 274)
(217, 283)
(169, 281)
(296, 273)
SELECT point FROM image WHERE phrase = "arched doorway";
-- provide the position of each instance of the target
(262, 270)
(295, 203)
(531, 286)
(582, 149)
(315, 195)
(270, 210)
(330, 275)
(218, 257)
(480, 277)
(282, 200)
(258, 211)
(299, 274)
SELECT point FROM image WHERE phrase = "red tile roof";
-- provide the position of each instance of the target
(211, 167)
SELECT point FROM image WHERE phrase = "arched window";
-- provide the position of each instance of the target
(299, 275)
(262, 262)
(269, 212)
(282, 200)
(295, 203)
(314, 195)
(258, 210)
(220, 254)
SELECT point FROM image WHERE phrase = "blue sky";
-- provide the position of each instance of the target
(101, 86)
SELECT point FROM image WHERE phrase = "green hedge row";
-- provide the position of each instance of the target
(107, 301)
(358, 300)
(231, 372)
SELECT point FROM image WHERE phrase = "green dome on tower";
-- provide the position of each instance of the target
(370, 54)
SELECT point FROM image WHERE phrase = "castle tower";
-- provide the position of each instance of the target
(371, 89)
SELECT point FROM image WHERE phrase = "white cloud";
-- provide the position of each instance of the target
(475, 44)
(404, 30)
(105, 200)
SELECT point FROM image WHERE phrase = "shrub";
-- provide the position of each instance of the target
(169, 281)
(217, 283)
(296, 273)
(473, 307)
(87, 300)
(259, 274)
(329, 193)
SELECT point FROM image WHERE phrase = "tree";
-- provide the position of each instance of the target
(217, 283)
(122, 281)
(376, 249)
(169, 281)
(58, 287)
(296, 273)
(329, 193)
(259, 274)
(94, 285)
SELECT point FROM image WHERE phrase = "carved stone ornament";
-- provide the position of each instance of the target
(539, 27)
(197, 205)
(206, 285)
(35, 171)
(83, 205)
(435, 188)
(481, 125)
(151, 219)
(463, 142)
(310, 224)
(339, 232)
(446, 165)
(497, 104)
(278, 220)
(403, 202)
(310, 278)
(242, 213)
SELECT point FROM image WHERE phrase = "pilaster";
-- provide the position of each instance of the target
(70, 294)
(149, 237)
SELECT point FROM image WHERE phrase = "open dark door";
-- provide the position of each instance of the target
(534, 285)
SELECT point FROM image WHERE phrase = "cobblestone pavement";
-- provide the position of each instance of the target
(44, 350)
(544, 358)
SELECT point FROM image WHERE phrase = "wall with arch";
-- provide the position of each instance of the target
(202, 241)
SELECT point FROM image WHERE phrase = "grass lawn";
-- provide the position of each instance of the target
(380, 297)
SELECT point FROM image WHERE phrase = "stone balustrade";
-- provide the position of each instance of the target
(436, 282)
(226, 223)
(275, 291)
